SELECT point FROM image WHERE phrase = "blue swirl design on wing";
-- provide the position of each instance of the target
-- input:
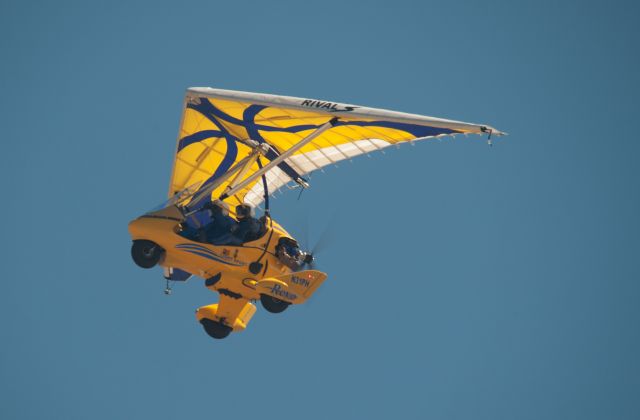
(216, 116)
(207, 109)
(248, 118)
(197, 137)
(252, 127)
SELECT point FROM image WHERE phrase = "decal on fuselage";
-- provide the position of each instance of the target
(300, 281)
(205, 252)
(329, 106)
(279, 291)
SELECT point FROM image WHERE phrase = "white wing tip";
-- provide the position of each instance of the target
(492, 131)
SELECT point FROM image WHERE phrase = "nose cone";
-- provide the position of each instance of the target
(155, 226)
(145, 228)
(135, 228)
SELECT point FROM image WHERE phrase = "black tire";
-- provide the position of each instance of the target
(273, 305)
(215, 329)
(146, 254)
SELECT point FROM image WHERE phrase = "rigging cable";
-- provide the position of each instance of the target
(256, 264)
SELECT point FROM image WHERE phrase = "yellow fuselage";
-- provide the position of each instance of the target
(240, 274)
(207, 260)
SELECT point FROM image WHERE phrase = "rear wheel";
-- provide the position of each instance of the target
(146, 254)
(273, 305)
(215, 329)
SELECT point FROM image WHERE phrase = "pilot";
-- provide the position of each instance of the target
(249, 228)
(222, 225)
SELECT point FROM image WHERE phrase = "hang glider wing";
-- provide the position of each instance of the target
(219, 127)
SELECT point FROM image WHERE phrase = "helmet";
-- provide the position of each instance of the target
(220, 206)
(244, 211)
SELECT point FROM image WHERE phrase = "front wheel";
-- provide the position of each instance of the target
(273, 305)
(215, 329)
(146, 254)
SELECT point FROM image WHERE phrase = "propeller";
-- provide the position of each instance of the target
(326, 238)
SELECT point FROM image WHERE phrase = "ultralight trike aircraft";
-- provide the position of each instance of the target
(236, 148)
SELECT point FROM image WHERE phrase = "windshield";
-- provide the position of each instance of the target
(178, 198)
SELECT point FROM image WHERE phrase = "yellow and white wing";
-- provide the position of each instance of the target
(218, 125)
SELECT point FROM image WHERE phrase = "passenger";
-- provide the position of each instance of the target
(220, 230)
(249, 228)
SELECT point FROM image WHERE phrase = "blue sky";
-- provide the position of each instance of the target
(465, 282)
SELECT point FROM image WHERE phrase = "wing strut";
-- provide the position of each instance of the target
(242, 167)
(253, 156)
(324, 127)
